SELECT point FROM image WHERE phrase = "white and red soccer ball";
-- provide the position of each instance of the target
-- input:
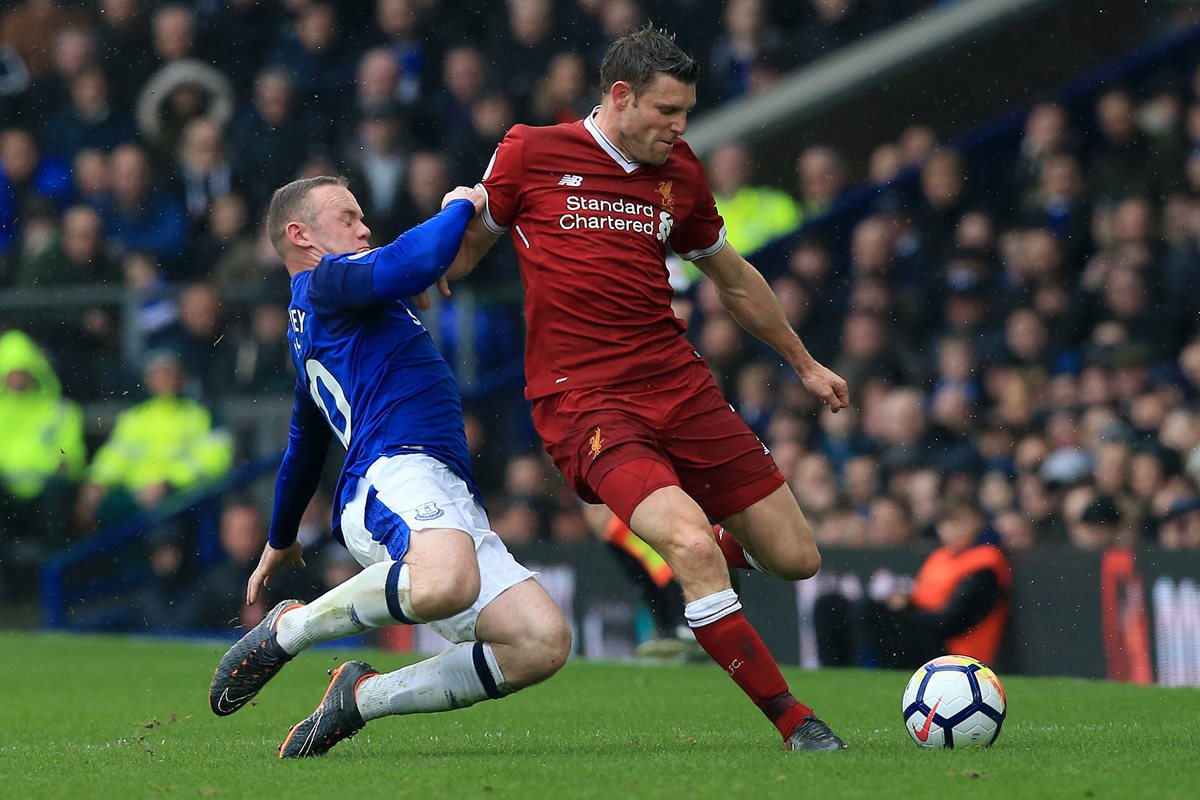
(954, 701)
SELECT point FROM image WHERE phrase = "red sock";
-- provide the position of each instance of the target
(735, 556)
(734, 644)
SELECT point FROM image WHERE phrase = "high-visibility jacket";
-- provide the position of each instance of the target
(169, 439)
(42, 432)
(941, 575)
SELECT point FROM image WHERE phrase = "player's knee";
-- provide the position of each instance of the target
(455, 588)
(802, 562)
(692, 551)
(550, 645)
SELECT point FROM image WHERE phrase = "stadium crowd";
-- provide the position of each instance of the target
(1023, 337)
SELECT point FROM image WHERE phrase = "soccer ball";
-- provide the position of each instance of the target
(953, 701)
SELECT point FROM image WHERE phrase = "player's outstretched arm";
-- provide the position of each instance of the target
(476, 241)
(743, 290)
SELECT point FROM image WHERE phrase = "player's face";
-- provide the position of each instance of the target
(337, 222)
(655, 118)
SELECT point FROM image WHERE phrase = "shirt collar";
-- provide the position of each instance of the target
(606, 145)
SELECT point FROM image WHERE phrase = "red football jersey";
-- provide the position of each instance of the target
(590, 229)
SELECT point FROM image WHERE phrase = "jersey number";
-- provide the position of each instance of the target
(322, 385)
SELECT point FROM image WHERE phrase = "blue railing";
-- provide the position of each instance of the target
(59, 592)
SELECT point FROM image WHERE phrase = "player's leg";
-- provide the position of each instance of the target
(676, 526)
(511, 636)
(411, 574)
(775, 536)
(437, 577)
(723, 469)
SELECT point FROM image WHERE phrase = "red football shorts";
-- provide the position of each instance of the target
(679, 420)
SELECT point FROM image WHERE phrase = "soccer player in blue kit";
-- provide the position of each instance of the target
(406, 505)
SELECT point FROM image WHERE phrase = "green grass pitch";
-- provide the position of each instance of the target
(108, 717)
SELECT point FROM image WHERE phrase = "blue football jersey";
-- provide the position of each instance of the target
(368, 369)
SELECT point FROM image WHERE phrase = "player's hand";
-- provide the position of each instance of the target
(421, 301)
(472, 193)
(270, 561)
(443, 286)
(826, 385)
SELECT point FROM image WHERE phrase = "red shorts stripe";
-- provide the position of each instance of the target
(679, 420)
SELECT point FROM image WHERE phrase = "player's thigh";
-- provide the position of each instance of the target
(412, 508)
(498, 572)
(720, 462)
(442, 566)
(675, 526)
(775, 531)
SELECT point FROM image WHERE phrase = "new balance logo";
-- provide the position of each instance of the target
(571, 180)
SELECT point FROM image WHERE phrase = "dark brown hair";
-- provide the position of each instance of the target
(640, 56)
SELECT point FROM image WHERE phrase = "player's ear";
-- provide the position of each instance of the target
(296, 233)
(621, 94)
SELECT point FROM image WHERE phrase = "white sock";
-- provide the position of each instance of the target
(711, 608)
(379, 595)
(456, 678)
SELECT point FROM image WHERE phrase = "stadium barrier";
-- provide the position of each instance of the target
(1116, 615)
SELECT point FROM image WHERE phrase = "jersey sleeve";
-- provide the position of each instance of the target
(403, 268)
(300, 472)
(702, 232)
(503, 180)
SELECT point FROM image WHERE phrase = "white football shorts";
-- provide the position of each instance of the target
(412, 492)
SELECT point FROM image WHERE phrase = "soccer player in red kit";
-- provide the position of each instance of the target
(626, 407)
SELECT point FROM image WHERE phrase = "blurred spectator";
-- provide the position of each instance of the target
(376, 82)
(240, 34)
(944, 192)
(1120, 160)
(77, 255)
(87, 120)
(124, 47)
(562, 95)
(27, 181)
(491, 117)
(836, 23)
(463, 73)
(173, 33)
(958, 603)
(90, 176)
(227, 248)
(204, 172)
(426, 181)
(262, 364)
(748, 34)
(164, 445)
(138, 214)
(242, 536)
(42, 455)
(74, 50)
(199, 339)
(1047, 134)
(754, 215)
(30, 28)
(527, 483)
(410, 42)
(180, 92)
(821, 179)
(272, 136)
(521, 48)
(375, 166)
(889, 523)
(169, 600)
(1179, 526)
(313, 53)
